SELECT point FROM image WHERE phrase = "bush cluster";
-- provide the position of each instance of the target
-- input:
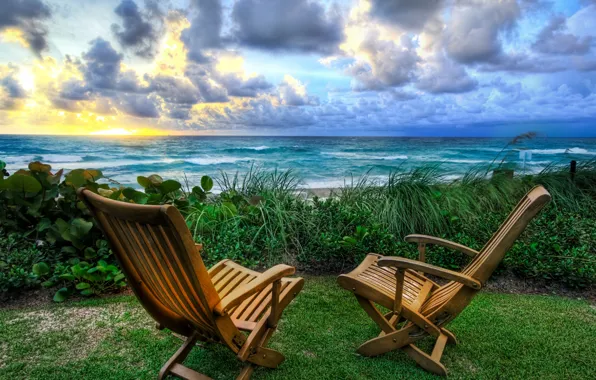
(262, 218)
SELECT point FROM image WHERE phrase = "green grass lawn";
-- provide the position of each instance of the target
(501, 336)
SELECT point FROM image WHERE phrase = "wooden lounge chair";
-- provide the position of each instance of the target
(419, 307)
(165, 270)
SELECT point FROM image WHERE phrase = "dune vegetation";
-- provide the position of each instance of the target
(261, 218)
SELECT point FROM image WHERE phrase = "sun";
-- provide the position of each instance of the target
(114, 132)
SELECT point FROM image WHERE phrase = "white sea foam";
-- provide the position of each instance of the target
(575, 150)
(52, 158)
(461, 161)
(364, 156)
(214, 160)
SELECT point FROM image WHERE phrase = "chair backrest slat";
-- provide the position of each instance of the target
(484, 264)
(158, 256)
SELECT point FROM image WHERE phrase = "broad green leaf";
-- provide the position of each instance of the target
(87, 292)
(39, 167)
(22, 183)
(206, 183)
(135, 196)
(55, 179)
(79, 227)
(229, 209)
(143, 181)
(104, 192)
(83, 285)
(41, 269)
(2, 165)
(169, 186)
(79, 177)
(89, 253)
(44, 224)
(155, 179)
(61, 295)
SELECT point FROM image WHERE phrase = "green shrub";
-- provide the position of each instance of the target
(259, 220)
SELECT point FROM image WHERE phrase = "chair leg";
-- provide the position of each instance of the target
(174, 366)
(432, 362)
(451, 338)
(388, 342)
(246, 372)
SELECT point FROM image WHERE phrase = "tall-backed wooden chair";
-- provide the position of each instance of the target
(228, 303)
(419, 307)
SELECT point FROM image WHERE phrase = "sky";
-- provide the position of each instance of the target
(299, 67)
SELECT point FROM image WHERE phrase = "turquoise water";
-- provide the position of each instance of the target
(320, 161)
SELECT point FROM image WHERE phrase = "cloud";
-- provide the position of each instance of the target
(74, 89)
(102, 64)
(28, 16)
(10, 89)
(139, 105)
(408, 14)
(177, 90)
(388, 63)
(473, 34)
(445, 76)
(102, 69)
(139, 32)
(250, 87)
(293, 93)
(205, 29)
(298, 25)
(553, 39)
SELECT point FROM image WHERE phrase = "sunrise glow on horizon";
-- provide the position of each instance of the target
(306, 67)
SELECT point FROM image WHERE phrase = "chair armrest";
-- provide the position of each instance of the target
(425, 239)
(403, 263)
(242, 292)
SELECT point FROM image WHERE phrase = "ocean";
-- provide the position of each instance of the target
(321, 162)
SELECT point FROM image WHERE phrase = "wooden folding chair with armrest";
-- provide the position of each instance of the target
(422, 305)
(165, 270)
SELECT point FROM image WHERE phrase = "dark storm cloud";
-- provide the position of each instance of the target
(175, 90)
(74, 89)
(237, 86)
(205, 29)
(139, 32)
(446, 76)
(27, 16)
(409, 14)
(10, 91)
(298, 25)
(139, 105)
(102, 71)
(474, 32)
(392, 64)
(553, 39)
(102, 64)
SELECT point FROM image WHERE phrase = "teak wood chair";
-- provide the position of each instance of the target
(418, 306)
(164, 268)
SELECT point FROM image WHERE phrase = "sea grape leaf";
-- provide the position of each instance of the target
(135, 196)
(41, 269)
(169, 186)
(39, 167)
(206, 183)
(155, 179)
(22, 183)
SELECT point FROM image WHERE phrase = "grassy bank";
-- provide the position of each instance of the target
(501, 336)
(258, 220)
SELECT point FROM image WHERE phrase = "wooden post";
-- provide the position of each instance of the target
(572, 169)
(273, 314)
(399, 287)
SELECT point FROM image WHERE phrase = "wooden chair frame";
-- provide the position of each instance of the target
(233, 305)
(418, 306)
